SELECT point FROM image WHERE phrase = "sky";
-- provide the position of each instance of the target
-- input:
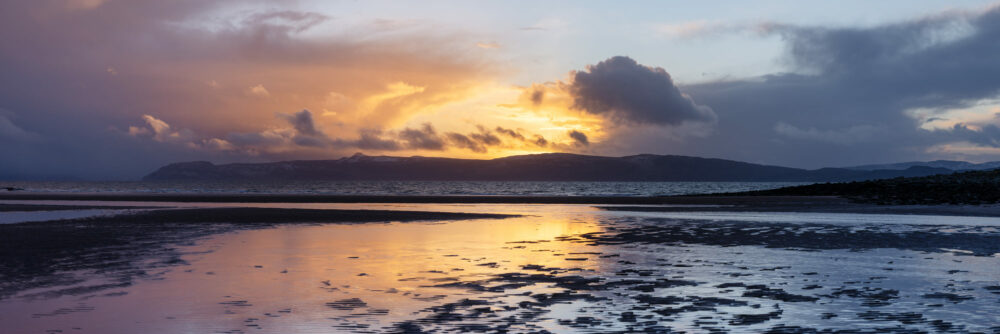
(113, 89)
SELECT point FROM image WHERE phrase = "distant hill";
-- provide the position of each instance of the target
(949, 164)
(972, 187)
(535, 167)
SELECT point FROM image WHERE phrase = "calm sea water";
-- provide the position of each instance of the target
(406, 187)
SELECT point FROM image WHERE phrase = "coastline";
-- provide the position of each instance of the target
(687, 203)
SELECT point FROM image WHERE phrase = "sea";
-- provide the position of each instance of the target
(405, 188)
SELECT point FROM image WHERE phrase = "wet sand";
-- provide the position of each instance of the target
(39, 254)
(556, 269)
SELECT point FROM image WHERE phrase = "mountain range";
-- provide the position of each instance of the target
(534, 167)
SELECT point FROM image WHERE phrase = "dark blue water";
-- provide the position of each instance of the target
(405, 187)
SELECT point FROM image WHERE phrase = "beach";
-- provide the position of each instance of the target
(275, 264)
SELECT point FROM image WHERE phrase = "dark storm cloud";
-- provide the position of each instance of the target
(302, 122)
(988, 135)
(423, 138)
(625, 90)
(373, 140)
(303, 132)
(856, 78)
(253, 139)
(580, 138)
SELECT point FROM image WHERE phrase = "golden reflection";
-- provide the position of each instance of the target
(300, 268)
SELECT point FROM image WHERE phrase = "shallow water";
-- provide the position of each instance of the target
(561, 268)
(37, 216)
(397, 188)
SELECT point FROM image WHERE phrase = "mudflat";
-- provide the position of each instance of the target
(39, 254)
(807, 266)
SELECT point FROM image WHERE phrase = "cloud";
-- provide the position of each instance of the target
(965, 150)
(302, 132)
(698, 28)
(427, 138)
(510, 133)
(258, 91)
(12, 132)
(423, 138)
(540, 141)
(217, 144)
(478, 142)
(626, 91)
(335, 103)
(374, 140)
(579, 138)
(547, 24)
(286, 22)
(262, 140)
(463, 141)
(840, 77)
(84, 4)
(490, 45)
(845, 96)
(302, 122)
(485, 136)
(160, 131)
(985, 135)
(193, 64)
(537, 96)
(534, 140)
(852, 135)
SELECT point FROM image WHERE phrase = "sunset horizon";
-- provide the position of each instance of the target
(103, 82)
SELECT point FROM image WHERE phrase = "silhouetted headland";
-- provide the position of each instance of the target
(534, 167)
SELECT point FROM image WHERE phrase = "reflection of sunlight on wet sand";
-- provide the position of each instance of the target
(301, 268)
(391, 257)
(313, 278)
